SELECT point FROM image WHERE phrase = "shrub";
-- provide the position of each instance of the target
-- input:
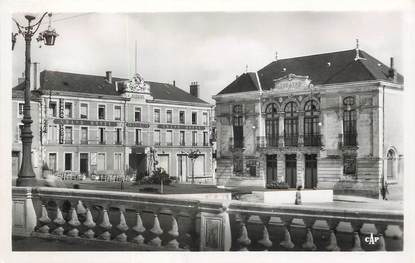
(156, 177)
(277, 185)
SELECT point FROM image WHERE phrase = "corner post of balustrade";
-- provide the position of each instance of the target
(332, 246)
(286, 223)
(265, 241)
(243, 239)
(215, 230)
(356, 226)
(24, 214)
(309, 240)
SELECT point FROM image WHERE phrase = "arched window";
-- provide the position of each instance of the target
(271, 124)
(311, 124)
(391, 165)
(291, 124)
(238, 131)
(349, 122)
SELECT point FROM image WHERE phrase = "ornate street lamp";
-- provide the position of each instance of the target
(26, 176)
(193, 155)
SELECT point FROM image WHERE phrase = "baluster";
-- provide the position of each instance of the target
(287, 243)
(44, 220)
(140, 229)
(381, 228)
(74, 223)
(156, 230)
(265, 241)
(59, 221)
(357, 245)
(123, 227)
(174, 232)
(332, 246)
(80, 208)
(90, 224)
(106, 225)
(243, 238)
(309, 240)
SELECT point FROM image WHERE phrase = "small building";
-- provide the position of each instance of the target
(92, 125)
(324, 121)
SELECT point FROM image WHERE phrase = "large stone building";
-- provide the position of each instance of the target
(93, 125)
(325, 121)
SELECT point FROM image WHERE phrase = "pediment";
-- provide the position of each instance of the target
(292, 82)
(136, 85)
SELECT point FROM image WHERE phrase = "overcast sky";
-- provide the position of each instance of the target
(210, 48)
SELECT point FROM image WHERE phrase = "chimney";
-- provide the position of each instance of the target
(194, 89)
(174, 83)
(21, 79)
(392, 71)
(108, 76)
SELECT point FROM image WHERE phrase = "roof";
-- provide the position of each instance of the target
(343, 68)
(92, 84)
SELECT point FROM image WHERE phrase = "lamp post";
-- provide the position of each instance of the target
(26, 176)
(193, 156)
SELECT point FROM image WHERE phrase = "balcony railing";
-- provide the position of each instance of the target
(138, 143)
(194, 143)
(118, 142)
(134, 221)
(68, 141)
(349, 139)
(312, 140)
(182, 143)
(291, 140)
(169, 144)
(84, 141)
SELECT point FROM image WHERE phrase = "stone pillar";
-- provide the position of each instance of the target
(281, 130)
(301, 128)
(300, 169)
(281, 167)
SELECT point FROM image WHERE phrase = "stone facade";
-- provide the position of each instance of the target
(331, 158)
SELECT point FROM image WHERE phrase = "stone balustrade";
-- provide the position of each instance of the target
(157, 222)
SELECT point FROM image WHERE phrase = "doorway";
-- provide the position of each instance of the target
(83, 163)
(291, 170)
(272, 172)
(310, 171)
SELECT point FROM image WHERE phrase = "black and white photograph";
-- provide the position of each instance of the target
(207, 131)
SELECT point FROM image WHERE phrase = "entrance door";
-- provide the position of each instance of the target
(83, 163)
(291, 170)
(310, 171)
(271, 168)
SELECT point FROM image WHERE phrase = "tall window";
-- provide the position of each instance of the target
(118, 136)
(291, 124)
(101, 135)
(101, 112)
(238, 127)
(84, 135)
(68, 135)
(157, 115)
(52, 134)
(194, 138)
(181, 117)
(138, 140)
(68, 161)
(169, 116)
(169, 138)
(137, 114)
(391, 165)
(21, 109)
(205, 118)
(157, 137)
(53, 108)
(349, 122)
(101, 165)
(84, 110)
(68, 110)
(205, 139)
(117, 113)
(311, 124)
(194, 117)
(52, 162)
(271, 125)
(117, 161)
(182, 139)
